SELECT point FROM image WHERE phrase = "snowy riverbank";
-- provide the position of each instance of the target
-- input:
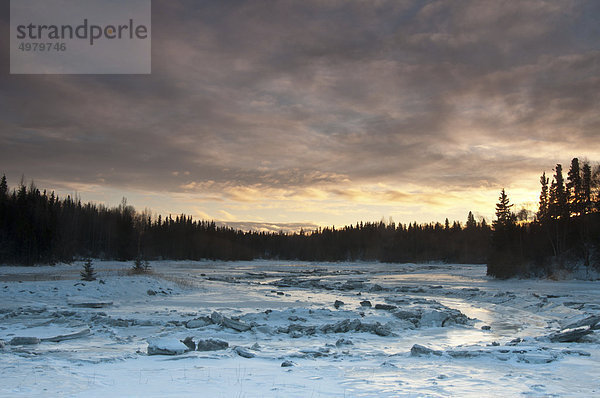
(346, 329)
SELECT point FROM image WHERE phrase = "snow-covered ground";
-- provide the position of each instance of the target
(396, 330)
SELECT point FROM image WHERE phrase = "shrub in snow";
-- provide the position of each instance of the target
(140, 266)
(88, 274)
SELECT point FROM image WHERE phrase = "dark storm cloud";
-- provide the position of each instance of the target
(276, 97)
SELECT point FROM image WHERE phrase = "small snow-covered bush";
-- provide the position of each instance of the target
(140, 266)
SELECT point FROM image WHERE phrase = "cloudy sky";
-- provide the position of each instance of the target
(319, 112)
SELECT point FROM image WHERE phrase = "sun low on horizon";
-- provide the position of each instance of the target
(288, 115)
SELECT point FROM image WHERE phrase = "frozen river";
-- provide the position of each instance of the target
(396, 330)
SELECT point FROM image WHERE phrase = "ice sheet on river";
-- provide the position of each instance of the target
(295, 329)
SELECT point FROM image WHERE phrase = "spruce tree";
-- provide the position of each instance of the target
(586, 188)
(3, 187)
(471, 223)
(140, 266)
(503, 260)
(595, 188)
(558, 206)
(504, 217)
(88, 274)
(542, 213)
(574, 193)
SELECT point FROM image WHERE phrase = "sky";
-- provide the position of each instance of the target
(281, 114)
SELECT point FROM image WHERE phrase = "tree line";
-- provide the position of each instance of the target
(38, 227)
(564, 234)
